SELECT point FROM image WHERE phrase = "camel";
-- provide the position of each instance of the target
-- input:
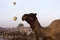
(52, 32)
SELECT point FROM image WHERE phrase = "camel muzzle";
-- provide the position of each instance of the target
(24, 18)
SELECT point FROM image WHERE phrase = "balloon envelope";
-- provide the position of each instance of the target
(14, 3)
(15, 18)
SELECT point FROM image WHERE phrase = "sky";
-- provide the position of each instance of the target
(47, 11)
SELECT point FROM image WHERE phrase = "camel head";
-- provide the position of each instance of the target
(29, 17)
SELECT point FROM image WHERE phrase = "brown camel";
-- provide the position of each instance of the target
(49, 33)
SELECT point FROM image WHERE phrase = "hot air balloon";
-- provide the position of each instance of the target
(14, 3)
(15, 18)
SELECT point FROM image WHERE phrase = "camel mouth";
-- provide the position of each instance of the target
(22, 19)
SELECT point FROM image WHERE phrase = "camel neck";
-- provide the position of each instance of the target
(35, 25)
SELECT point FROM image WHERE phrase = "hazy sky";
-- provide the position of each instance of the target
(47, 11)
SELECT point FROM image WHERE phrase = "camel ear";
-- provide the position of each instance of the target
(35, 14)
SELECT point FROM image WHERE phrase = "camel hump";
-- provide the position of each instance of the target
(55, 26)
(55, 23)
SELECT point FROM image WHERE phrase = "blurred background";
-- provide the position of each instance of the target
(47, 11)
